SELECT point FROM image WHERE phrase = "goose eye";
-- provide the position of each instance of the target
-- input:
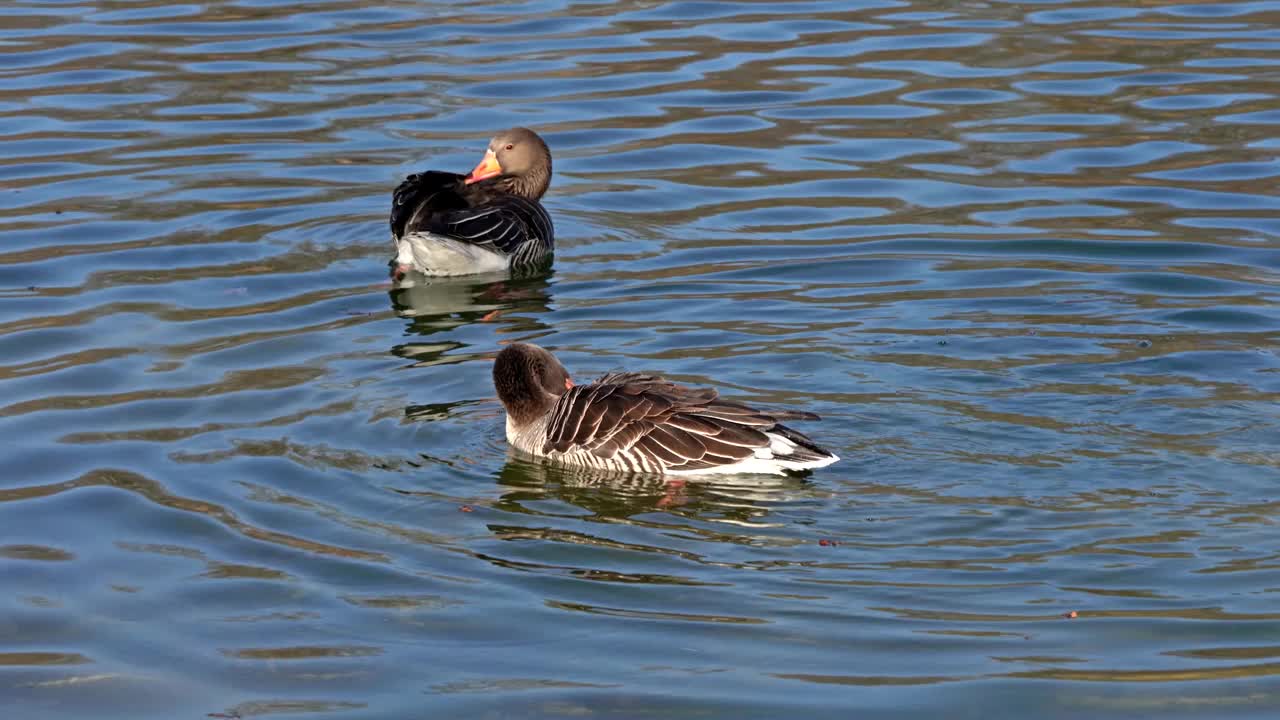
(510, 146)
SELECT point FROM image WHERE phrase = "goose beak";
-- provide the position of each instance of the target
(487, 168)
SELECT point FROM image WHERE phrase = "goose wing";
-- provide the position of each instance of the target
(441, 203)
(421, 196)
(503, 224)
(674, 426)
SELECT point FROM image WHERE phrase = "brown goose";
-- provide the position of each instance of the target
(443, 223)
(642, 423)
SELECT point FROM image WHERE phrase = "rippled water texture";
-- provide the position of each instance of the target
(1021, 257)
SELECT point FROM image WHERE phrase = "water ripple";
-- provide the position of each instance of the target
(1020, 257)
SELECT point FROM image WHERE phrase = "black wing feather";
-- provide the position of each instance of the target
(442, 203)
(422, 195)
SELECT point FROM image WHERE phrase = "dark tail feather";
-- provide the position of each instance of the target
(793, 415)
(806, 450)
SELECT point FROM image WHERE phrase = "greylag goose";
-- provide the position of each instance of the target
(443, 223)
(642, 423)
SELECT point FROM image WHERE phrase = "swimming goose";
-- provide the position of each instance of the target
(642, 423)
(443, 223)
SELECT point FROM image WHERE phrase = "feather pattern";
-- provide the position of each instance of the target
(443, 223)
(639, 422)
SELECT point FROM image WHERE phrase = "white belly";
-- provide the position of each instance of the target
(432, 254)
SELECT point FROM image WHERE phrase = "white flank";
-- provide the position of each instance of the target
(767, 461)
(513, 437)
(438, 255)
(404, 253)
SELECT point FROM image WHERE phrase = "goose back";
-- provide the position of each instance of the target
(643, 423)
(440, 203)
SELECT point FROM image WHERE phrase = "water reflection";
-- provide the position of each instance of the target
(1021, 257)
(745, 499)
(434, 305)
(437, 307)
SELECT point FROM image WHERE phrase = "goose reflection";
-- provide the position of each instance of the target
(734, 499)
(435, 306)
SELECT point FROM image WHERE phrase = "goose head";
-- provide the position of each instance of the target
(518, 162)
(529, 381)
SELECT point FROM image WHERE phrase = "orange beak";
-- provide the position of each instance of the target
(487, 168)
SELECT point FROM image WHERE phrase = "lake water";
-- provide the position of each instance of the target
(1023, 258)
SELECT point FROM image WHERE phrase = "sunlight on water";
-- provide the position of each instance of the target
(1021, 257)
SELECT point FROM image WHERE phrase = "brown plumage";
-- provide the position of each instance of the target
(638, 422)
(444, 223)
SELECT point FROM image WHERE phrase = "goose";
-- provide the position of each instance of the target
(642, 423)
(490, 220)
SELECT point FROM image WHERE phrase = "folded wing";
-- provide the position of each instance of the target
(421, 196)
(441, 203)
(677, 427)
